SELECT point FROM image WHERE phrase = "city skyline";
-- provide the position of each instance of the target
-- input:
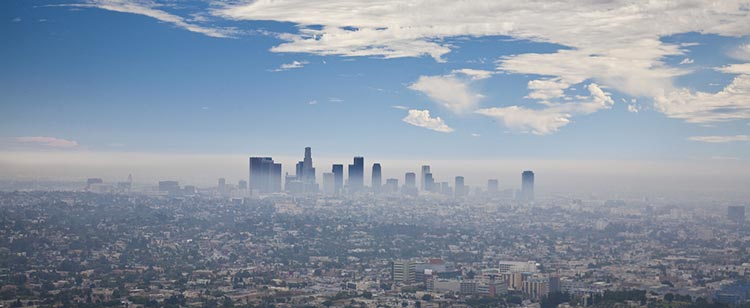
(199, 85)
(368, 154)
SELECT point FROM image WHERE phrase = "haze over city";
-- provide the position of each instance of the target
(374, 154)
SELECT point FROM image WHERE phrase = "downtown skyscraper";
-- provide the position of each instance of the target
(357, 174)
(377, 177)
(338, 178)
(264, 175)
(527, 186)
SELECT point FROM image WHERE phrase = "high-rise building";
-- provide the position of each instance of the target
(423, 179)
(308, 170)
(338, 178)
(242, 185)
(222, 186)
(329, 183)
(265, 175)
(736, 213)
(460, 188)
(403, 271)
(304, 179)
(357, 174)
(527, 186)
(275, 177)
(428, 181)
(391, 186)
(377, 177)
(493, 186)
(410, 183)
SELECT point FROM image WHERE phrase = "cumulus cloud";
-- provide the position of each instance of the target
(49, 142)
(731, 103)
(152, 9)
(720, 139)
(743, 68)
(549, 119)
(741, 52)
(547, 89)
(289, 66)
(422, 118)
(451, 91)
(599, 37)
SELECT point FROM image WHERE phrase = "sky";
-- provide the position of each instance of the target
(546, 83)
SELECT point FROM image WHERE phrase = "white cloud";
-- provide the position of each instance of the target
(687, 61)
(475, 135)
(633, 108)
(335, 100)
(422, 118)
(50, 142)
(312, 102)
(546, 89)
(741, 52)
(400, 107)
(731, 103)
(743, 68)
(450, 91)
(549, 119)
(474, 74)
(617, 44)
(151, 9)
(720, 139)
(293, 65)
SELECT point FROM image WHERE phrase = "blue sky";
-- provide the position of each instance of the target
(272, 77)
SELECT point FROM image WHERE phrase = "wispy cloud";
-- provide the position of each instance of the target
(152, 9)
(48, 142)
(599, 37)
(549, 119)
(400, 107)
(422, 118)
(720, 139)
(289, 66)
(740, 52)
(687, 61)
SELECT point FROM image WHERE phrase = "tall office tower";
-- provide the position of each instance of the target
(265, 175)
(403, 271)
(391, 186)
(242, 185)
(410, 184)
(275, 177)
(736, 213)
(445, 188)
(460, 189)
(222, 187)
(357, 174)
(429, 182)
(308, 171)
(493, 186)
(338, 178)
(410, 180)
(527, 186)
(423, 182)
(376, 177)
(329, 183)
